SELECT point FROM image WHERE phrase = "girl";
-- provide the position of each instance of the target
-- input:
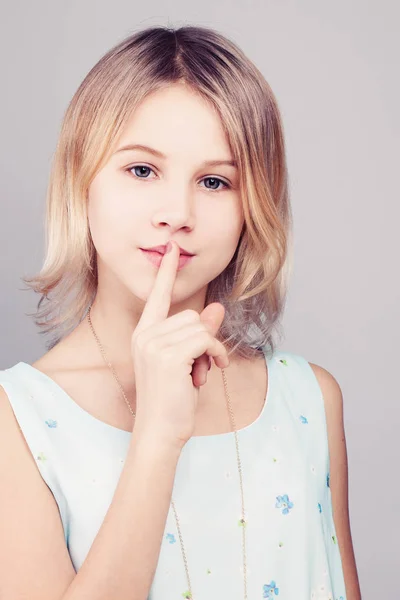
(163, 447)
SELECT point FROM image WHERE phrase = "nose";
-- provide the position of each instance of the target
(175, 214)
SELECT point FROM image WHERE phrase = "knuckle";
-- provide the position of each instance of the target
(201, 327)
(138, 341)
(167, 356)
(206, 326)
(209, 337)
(151, 347)
(223, 348)
(192, 314)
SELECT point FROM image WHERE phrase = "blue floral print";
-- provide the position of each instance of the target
(270, 590)
(279, 450)
(284, 503)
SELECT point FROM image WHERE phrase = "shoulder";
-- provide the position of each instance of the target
(319, 377)
(333, 400)
(312, 374)
(339, 476)
(333, 403)
(319, 384)
(328, 383)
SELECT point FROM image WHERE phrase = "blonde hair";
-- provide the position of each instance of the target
(253, 286)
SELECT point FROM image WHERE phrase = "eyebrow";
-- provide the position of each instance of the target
(206, 163)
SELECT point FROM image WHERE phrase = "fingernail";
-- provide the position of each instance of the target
(168, 248)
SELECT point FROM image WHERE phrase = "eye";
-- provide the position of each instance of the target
(140, 172)
(216, 180)
(136, 168)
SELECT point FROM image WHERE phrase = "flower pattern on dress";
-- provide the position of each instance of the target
(278, 456)
(270, 590)
(284, 503)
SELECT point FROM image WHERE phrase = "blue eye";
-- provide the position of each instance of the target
(218, 181)
(140, 175)
(140, 167)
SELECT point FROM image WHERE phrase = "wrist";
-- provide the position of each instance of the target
(153, 442)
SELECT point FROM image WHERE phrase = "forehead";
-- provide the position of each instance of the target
(177, 121)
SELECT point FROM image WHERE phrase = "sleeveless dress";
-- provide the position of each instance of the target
(291, 543)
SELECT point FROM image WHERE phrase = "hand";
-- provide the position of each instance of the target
(170, 358)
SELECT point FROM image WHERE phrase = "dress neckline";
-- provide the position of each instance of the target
(59, 391)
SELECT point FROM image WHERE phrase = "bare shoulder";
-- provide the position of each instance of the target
(66, 354)
(34, 560)
(330, 387)
(333, 402)
(53, 359)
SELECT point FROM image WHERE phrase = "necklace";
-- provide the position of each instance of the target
(242, 521)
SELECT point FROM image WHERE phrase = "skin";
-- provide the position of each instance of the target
(173, 199)
(142, 208)
(338, 483)
(141, 200)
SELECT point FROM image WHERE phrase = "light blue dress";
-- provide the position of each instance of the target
(292, 548)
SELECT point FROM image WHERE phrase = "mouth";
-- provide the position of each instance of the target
(156, 257)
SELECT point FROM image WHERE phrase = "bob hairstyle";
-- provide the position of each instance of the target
(253, 286)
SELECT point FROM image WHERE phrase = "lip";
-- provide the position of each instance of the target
(156, 257)
(161, 249)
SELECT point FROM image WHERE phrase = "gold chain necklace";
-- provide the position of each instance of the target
(242, 521)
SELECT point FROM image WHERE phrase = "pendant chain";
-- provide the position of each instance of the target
(242, 521)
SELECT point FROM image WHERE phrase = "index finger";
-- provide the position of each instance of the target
(159, 300)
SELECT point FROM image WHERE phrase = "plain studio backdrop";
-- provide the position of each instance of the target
(334, 67)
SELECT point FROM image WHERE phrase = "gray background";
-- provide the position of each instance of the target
(334, 69)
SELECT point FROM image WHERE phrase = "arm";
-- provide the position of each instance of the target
(339, 477)
(124, 555)
(34, 560)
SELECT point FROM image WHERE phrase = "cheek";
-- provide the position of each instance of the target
(112, 215)
(220, 245)
(109, 227)
(223, 231)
